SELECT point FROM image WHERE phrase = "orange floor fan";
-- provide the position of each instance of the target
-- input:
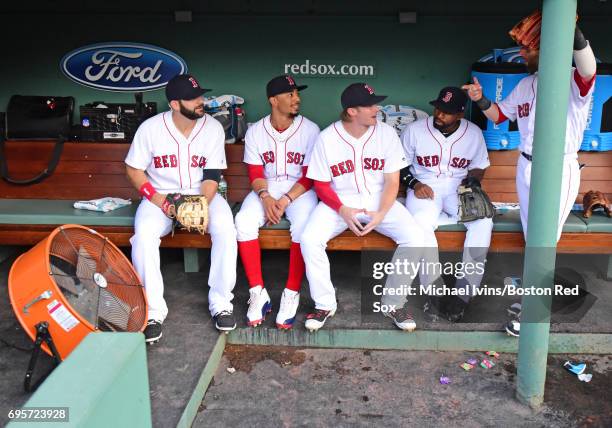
(70, 284)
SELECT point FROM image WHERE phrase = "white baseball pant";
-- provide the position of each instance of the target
(570, 185)
(151, 225)
(325, 223)
(444, 209)
(252, 216)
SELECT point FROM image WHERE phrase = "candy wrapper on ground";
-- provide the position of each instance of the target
(467, 367)
(487, 364)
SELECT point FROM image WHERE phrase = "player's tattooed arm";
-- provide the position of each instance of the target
(388, 198)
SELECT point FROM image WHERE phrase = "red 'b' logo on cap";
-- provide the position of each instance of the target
(447, 97)
(290, 80)
(369, 88)
(193, 82)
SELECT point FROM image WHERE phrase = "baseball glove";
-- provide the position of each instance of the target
(595, 199)
(190, 212)
(474, 203)
(527, 31)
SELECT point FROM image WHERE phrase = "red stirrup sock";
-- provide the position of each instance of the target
(296, 267)
(250, 254)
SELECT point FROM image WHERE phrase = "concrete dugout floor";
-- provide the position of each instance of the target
(189, 336)
(292, 387)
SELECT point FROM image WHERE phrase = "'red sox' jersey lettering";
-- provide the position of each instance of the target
(296, 158)
(342, 168)
(198, 161)
(267, 157)
(165, 161)
(458, 162)
(374, 164)
(428, 160)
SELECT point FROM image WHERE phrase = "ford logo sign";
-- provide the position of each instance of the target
(122, 67)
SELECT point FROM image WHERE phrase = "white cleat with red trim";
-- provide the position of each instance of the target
(290, 301)
(259, 306)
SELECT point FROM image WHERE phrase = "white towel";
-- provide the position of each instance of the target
(102, 204)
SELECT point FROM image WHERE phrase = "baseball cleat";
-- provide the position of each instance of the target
(225, 321)
(513, 328)
(432, 309)
(402, 318)
(454, 309)
(259, 306)
(290, 301)
(152, 332)
(316, 320)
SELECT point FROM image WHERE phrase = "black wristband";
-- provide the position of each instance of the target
(407, 178)
(579, 40)
(483, 103)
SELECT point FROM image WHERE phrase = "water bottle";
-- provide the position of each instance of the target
(222, 189)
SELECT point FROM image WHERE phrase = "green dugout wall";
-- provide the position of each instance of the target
(238, 53)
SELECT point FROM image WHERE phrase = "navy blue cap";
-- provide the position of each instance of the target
(360, 95)
(450, 100)
(282, 84)
(184, 87)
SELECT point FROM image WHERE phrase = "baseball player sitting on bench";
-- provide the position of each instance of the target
(181, 151)
(520, 105)
(276, 152)
(445, 151)
(355, 166)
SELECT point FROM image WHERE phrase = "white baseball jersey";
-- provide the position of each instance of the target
(283, 154)
(354, 166)
(520, 105)
(172, 162)
(433, 156)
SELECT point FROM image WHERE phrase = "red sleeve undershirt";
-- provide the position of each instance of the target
(255, 172)
(502, 117)
(583, 85)
(327, 194)
(305, 181)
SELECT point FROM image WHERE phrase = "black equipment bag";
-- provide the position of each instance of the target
(102, 121)
(37, 117)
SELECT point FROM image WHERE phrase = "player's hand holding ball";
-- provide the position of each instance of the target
(423, 191)
(349, 214)
(474, 90)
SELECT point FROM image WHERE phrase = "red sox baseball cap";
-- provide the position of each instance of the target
(450, 100)
(281, 85)
(183, 87)
(360, 95)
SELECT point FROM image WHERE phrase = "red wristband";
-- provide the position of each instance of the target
(147, 190)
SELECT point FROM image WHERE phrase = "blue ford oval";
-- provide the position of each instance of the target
(122, 67)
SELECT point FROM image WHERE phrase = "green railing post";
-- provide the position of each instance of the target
(558, 22)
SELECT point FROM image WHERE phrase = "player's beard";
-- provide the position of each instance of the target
(445, 129)
(191, 114)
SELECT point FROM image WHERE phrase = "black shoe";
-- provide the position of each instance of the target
(432, 308)
(454, 308)
(402, 318)
(316, 319)
(153, 331)
(225, 321)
